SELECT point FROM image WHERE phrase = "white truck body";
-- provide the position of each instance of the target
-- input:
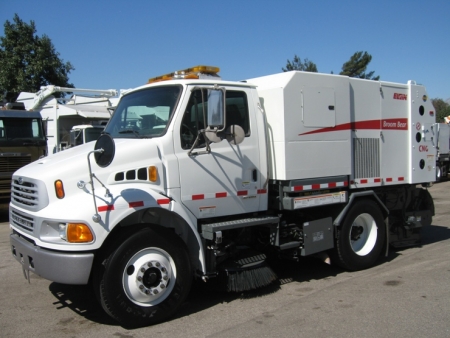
(86, 106)
(298, 164)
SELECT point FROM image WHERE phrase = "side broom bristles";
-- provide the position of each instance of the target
(249, 273)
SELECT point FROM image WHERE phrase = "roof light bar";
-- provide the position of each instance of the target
(188, 73)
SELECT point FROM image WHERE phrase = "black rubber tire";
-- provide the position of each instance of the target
(444, 172)
(118, 282)
(438, 173)
(364, 250)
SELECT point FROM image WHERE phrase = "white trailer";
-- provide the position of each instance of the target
(85, 106)
(443, 150)
(196, 177)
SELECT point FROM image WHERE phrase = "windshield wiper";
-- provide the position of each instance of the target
(129, 131)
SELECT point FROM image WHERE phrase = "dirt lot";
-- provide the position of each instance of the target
(406, 295)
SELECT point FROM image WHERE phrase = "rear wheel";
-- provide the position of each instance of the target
(438, 172)
(444, 171)
(361, 237)
(146, 279)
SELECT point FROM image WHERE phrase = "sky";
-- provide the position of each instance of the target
(121, 44)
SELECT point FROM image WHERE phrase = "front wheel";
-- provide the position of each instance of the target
(146, 279)
(361, 237)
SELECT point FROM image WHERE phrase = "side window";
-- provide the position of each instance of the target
(35, 128)
(237, 110)
(194, 121)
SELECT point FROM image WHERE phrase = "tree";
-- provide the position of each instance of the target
(297, 64)
(357, 65)
(442, 109)
(28, 61)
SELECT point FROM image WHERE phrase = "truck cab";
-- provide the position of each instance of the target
(85, 133)
(22, 141)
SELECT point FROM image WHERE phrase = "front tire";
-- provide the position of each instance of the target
(146, 279)
(361, 237)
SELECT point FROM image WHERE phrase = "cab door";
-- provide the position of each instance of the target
(227, 180)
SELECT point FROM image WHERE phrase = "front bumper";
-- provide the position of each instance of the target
(57, 266)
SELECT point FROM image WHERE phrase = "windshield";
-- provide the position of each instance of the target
(20, 128)
(145, 113)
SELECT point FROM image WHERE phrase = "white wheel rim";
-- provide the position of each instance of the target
(149, 277)
(363, 234)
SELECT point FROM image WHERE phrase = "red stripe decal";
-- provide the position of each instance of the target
(401, 178)
(387, 124)
(315, 186)
(363, 181)
(198, 197)
(221, 194)
(377, 180)
(106, 208)
(332, 185)
(346, 183)
(242, 193)
(389, 179)
(136, 204)
(262, 191)
(298, 188)
(163, 201)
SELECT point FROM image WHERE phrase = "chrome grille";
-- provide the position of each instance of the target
(24, 193)
(22, 221)
(28, 193)
(9, 164)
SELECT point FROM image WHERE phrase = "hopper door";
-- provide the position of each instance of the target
(318, 107)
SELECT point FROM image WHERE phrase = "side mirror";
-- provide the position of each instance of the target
(216, 111)
(104, 150)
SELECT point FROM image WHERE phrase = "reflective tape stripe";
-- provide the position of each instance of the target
(398, 179)
(317, 186)
(136, 204)
(377, 180)
(164, 202)
(223, 194)
(108, 207)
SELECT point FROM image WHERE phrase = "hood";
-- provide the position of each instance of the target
(71, 165)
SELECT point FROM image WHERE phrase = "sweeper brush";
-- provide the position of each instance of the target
(248, 272)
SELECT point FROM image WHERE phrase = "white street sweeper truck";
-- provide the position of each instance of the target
(197, 177)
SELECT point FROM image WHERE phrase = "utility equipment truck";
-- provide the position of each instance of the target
(197, 177)
(86, 133)
(443, 150)
(22, 141)
(60, 115)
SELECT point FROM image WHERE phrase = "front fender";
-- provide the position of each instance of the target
(136, 206)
